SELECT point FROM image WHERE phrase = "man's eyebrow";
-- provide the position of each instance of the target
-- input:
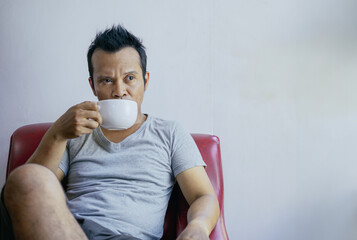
(125, 73)
(130, 72)
(103, 76)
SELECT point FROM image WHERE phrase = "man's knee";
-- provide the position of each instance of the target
(30, 180)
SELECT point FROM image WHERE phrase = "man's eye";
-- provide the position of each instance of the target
(107, 80)
(130, 77)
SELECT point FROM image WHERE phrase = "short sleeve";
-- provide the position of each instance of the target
(184, 154)
(64, 164)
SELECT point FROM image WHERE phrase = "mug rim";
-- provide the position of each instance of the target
(111, 100)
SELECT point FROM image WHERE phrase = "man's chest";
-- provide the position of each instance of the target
(144, 161)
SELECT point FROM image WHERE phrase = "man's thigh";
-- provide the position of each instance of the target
(6, 232)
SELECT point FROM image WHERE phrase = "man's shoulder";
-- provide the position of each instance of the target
(75, 144)
(160, 126)
(162, 122)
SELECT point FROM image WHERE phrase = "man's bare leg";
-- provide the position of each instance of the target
(37, 205)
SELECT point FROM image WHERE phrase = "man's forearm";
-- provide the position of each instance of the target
(204, 213)
(49, 152)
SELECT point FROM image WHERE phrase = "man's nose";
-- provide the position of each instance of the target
(119, 90)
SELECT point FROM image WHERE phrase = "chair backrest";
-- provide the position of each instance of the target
(25, 140)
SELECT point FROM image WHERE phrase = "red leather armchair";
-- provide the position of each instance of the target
(25, 140)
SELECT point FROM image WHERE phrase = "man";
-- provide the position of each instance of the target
(119, 181)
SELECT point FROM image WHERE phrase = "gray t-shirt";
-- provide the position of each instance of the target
(125, 187)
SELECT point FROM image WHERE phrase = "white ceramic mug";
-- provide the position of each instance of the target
(118, 114)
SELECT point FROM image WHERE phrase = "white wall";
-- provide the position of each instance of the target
(274, 79)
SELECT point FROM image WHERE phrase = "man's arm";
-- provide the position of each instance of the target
(78, 120)
(203, 213)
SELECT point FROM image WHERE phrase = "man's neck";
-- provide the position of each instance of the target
(117, 136)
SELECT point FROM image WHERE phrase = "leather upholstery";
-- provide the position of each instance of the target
(25, 140)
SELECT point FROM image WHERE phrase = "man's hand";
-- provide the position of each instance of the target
(193, 232)
(78, 120)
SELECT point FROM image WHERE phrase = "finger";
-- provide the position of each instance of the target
(87, 105)
(94, 115)
(90, 124)
(85, 130)
(90, 114)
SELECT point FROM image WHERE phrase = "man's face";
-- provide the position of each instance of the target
(118, 75)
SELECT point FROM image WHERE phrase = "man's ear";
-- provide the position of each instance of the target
(91, 83)
(147, 76)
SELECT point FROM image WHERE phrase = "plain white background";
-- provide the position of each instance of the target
(274, 79)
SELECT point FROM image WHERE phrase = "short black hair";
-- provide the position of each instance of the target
(112, 40)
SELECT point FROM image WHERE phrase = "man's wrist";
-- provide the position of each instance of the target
(54, 136)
